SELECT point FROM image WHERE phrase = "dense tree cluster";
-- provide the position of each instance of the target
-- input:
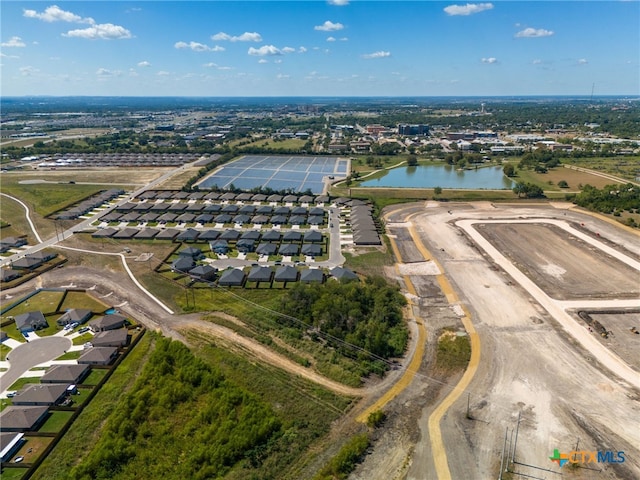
(610, 199)
(182, 419)
(367, 315)
(528, 190)
(540, 160)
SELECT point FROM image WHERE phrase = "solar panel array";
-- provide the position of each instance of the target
(298, 173)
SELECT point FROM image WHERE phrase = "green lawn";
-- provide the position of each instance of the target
(13, 473)
(96, 375)
(44, 301)
(4, 350)
(82, 339)
(71, 355)
(55, 422)
(82, 300)
(21, 382)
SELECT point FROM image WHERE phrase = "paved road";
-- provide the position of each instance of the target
(28, 355)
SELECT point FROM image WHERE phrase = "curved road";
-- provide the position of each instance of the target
(30, 354)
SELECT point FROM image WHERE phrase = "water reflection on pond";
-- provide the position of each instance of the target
(445, 176)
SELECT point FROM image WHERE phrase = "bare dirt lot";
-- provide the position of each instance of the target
(564, 266)
(530, 363)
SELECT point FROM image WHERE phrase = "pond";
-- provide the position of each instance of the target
(445, 176)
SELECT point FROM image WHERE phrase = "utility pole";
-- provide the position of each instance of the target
(468, 398)
(504, 446)
(515, 443)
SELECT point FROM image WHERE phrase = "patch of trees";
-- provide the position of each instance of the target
(182, 419)
(528, 190)
(346, 460)
(509, 170)
(540, 160)
(610, 199)
(356, 318)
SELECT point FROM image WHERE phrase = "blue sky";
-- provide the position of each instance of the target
(320, 48)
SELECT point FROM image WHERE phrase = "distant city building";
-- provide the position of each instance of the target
(411, 130)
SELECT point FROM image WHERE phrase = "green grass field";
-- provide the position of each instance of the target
(21, 382)
(44, 301)
(96, 375)
(82, 300)
(55, 422)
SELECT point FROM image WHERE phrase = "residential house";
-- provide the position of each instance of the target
(22, 419)
(38, 394)
(30, 321)
(67, 374)
(111, 338)
(79, 315)
(98, 356)
(108, 322)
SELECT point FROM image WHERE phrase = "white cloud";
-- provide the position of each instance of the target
(302, 50)
(210, 65)
(331, 39)
(225, 68)
(144, 64)
(133, 73)
(282, 75)
(288, 50)
(338, 3)
(329, 26)
(583, 61)
(380, 54)
(163, 73)
(56, 14)
(344, 39)
(103, 72)
(28, 71)
(263, 60)
(489, 60)
(468, 9)
(534, 33)
(13, 42)
(245, 37)
(3, 55)
(277, 60)
(265, 50)
(537, 61)
(104, 31)
(198, 47)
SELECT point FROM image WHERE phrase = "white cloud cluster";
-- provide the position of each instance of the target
(329, 26)
(583, 61)
(265, 51)
(102, 31)
(245, 37)
(380, 54)
(338, 3)
(56, 14)
(331, 39)
(198, 47)
(489, 60)
(468, 9)
(534, 33)
(144, 63)
(13, 42)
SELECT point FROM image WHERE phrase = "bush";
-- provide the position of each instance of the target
(376, 419)
(563, 184)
